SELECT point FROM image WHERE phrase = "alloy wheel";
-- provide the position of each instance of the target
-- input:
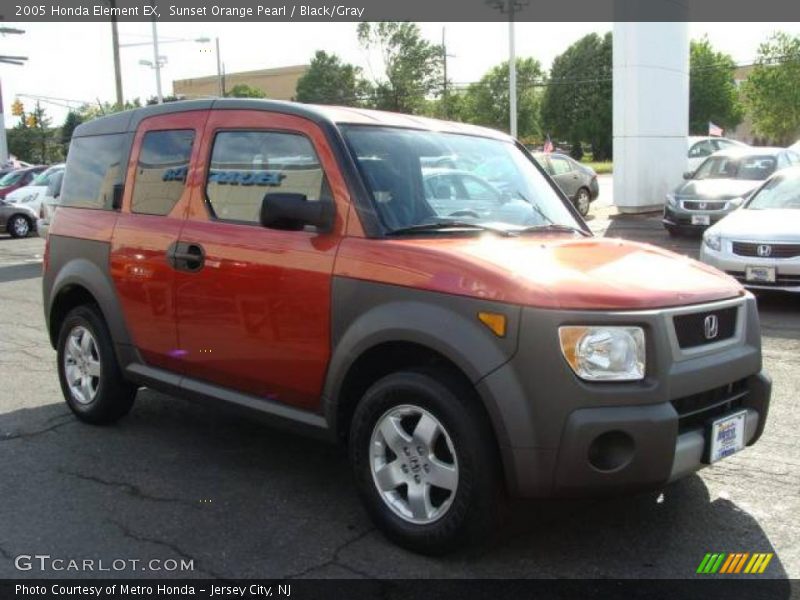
(21, 226)
(82, 365)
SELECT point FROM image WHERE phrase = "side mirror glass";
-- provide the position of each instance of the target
(688, 174)
(290, 211)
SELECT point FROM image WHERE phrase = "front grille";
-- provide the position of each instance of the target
(697, 409)
(699, 205)
(774, 250)
(780, 280)
(691, 329)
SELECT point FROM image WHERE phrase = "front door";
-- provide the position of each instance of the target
(254, 310)
(154, 207)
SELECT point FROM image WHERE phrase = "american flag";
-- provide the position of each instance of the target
(714, 130)
(548, 145)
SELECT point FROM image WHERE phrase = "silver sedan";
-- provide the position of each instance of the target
(759, 244)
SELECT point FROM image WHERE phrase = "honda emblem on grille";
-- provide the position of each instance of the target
(764, 250)
(702, 205)
(711, 327)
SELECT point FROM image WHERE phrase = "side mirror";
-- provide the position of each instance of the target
(688, 174)
(283, 210)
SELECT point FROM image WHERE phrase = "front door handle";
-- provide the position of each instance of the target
(185, 256)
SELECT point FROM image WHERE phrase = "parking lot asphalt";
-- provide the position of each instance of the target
(177, 480)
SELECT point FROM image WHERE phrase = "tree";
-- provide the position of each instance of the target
(772, 91)
(72, 120)
(712, 90)
(412, 66)
(331, 81)
(242, 90)
(33, 139)
(577, 101)
(487, 102)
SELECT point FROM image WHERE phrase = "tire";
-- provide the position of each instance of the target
(91, 380)
(19, 226)
(583, 201)
(469, 511)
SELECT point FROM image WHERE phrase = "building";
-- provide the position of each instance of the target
(278, 84)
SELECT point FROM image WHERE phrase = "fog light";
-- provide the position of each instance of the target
(611, 451)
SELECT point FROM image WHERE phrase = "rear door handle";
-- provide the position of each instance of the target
(185, 256)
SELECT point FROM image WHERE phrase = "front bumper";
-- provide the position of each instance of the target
(787, 270)
(561, 436)
(681, 219)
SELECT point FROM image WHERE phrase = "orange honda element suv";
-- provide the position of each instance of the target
(420, 291)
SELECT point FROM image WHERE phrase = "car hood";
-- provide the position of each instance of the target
(716, 188)
(548, 271)
(768, 225)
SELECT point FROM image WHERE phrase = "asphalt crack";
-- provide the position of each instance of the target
(335, 560)
(169, 545)
(129, 488)
(7, 437)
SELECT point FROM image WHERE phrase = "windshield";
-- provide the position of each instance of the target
(420, 178)
(44, 177)
(11, 178)
(781, 192)
(755, 168)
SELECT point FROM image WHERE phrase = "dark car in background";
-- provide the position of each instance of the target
(720, 185)
(577, 181)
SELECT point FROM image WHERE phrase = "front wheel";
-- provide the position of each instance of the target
(90, 377)
(19, 226)
(425, 462)
(582, 201)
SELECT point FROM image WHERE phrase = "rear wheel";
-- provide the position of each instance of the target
(583, 201)
(425, 462)
(90, 377)
(19, 226)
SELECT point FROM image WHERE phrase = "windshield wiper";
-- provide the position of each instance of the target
(443, 225)
(554, 227)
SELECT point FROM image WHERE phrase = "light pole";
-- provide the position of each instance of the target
(510, 7)
(12, 60)
(220, 80)
(159, 61)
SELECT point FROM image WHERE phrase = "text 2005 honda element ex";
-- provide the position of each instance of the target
(417, 290)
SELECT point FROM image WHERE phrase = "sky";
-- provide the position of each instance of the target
(73, 60)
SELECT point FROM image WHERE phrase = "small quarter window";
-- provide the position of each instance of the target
(93, 169)
(246, 165)
(161, 171)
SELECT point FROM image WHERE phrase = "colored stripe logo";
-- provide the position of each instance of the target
(734, 563)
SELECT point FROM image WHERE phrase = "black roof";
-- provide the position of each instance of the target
(129, 120)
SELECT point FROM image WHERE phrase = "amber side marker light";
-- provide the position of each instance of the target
(494, 321)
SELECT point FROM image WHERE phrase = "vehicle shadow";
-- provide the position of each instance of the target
(19, 272)
(240, 499)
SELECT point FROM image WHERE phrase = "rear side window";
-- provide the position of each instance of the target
(560, 165)
(161, 171)
(246, 165)
(93, 169)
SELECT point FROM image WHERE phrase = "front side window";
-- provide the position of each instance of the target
(492, 182)
(93, 169)
(161, 171)
(247, 165)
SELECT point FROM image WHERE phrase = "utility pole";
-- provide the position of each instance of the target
(220, 82)
(12, 60)
(512, 72)
(157, 63)
(444, 82)
(115, 50)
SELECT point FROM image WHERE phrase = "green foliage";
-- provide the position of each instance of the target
(87, 112)
(577, 101)
(487, 102)
(712, 90)
(772, 91)
(331, 81)
(36, 144)
(242, 90)
(72, 120)
(412, 66)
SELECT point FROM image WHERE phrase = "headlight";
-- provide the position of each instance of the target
(671, 200)
(604, 353)
(713, 241)
(736, 202)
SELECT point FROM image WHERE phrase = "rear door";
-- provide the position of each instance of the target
(254, 308)
(154, 207)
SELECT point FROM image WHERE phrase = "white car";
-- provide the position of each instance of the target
(759, 244)
(49, 203)
(31, 195)
(701, 147)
